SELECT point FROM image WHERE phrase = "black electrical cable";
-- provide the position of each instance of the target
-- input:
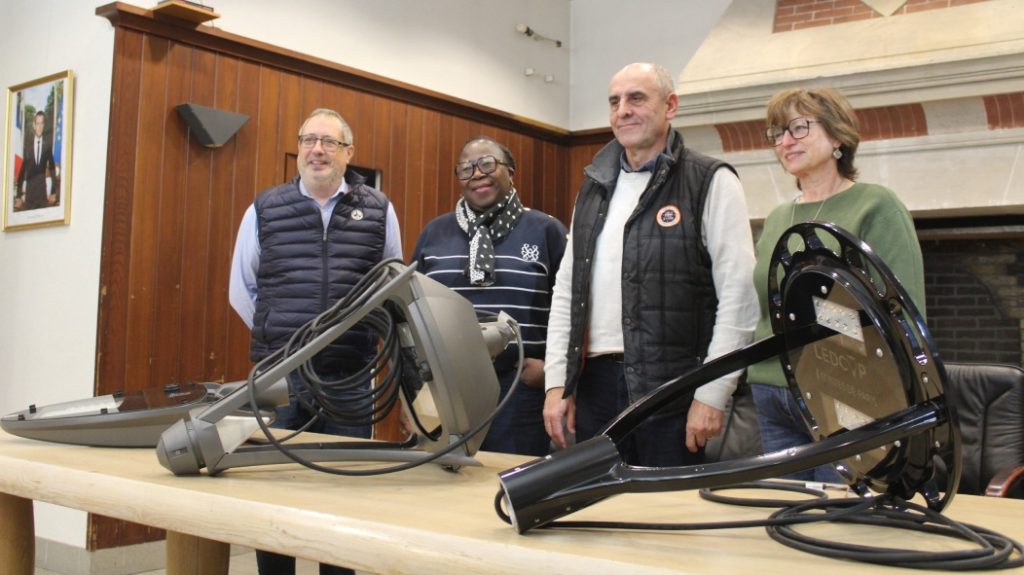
(349, 401)
(992, 550)
(641, 526)
(390, 355)
(712, 494)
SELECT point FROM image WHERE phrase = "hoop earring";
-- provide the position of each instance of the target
(837, 153)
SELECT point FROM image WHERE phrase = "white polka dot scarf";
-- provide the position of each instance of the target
(483, 230)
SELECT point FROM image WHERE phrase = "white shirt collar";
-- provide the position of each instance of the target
(342, 189)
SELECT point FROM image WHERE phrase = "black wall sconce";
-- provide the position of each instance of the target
(212, 127)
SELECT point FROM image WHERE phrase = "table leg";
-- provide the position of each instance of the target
(17, 535)
(190, 555)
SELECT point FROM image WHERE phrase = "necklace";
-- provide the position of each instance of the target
(796, 201)
(792, 216)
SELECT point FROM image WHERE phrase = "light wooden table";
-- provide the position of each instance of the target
(424, 521)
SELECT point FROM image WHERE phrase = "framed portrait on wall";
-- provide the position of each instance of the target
(37, 153)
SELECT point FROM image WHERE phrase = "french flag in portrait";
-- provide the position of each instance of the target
(16, 140)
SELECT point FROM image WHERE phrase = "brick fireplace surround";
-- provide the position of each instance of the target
(975, 297)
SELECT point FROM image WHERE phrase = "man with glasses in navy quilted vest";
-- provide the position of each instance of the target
(301, 247)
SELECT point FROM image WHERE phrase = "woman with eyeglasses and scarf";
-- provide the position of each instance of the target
(501, 256)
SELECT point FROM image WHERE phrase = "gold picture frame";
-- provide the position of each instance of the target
(37, 153)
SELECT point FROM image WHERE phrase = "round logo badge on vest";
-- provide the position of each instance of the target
(357, 214)
(669, 216)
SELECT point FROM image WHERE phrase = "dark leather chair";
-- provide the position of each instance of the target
(989, 400)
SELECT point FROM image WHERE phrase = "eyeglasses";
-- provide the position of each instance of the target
(486, 165)
(798, 128)
(328, 143)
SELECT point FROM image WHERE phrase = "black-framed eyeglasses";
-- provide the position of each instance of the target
(798, 128)
(486, 165)
(328, 143)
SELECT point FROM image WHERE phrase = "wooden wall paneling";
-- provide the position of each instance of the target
(534, 154)
(164, 219)
(244, 189)
(290, 116)
(312, 98)
(396, 163)
(462, 130)
(391, 150)
(220, 240)
(514, 143)
(117, 212)
(411, 214)
(435, 173)
(442, 195)
(564, 194)
(398, 150)
(431, 175)
(197, 196)
(544, 182)
(539, 165)
(359, 115)
(343, 101)
(379, 144)
(459, 130)
(416, 165)
(554, 181)
(144, 237)
(487, 130)
(553, 166)
(135, 351)
(269, 170)
(362, 120)
(526, 176)
(523, 178)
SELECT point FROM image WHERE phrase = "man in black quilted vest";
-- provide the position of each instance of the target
(655, 280)
(301, 247)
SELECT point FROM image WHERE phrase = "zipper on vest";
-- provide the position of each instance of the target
(324, 270)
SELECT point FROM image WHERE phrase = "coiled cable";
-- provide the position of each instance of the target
(990, 550)
(371, 405)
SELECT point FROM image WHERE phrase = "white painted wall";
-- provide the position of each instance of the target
(49, 277)
(608, 34)
(469, 50)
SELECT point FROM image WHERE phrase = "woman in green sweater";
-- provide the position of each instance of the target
(814, 132)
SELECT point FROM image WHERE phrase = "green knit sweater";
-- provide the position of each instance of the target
(871, 212)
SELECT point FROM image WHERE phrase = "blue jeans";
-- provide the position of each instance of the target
(782, 427)
(519, 428)
(602, 394)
